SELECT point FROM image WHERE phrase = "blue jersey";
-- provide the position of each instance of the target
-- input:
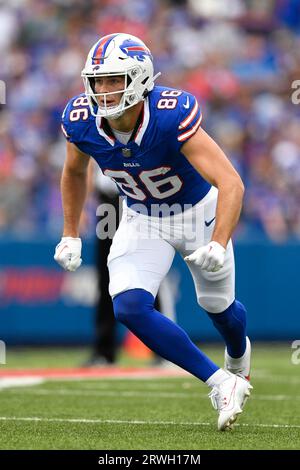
(150, 168)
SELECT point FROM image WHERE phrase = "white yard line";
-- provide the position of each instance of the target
(280, 379)
(7, 382)
(136, 422)
(134, 393)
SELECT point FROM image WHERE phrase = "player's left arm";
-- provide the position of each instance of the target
(211, 162)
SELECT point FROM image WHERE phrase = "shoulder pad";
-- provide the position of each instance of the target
(75, 117)
(178, 111)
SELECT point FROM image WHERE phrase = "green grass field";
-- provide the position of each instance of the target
(164, 413)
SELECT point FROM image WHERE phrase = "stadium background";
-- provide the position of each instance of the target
(239, 58)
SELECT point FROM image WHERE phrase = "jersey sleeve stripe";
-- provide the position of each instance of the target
(192, 131)
(190, 117)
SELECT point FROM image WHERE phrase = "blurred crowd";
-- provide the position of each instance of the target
(239, 57)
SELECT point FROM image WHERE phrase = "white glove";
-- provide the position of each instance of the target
(210, 257)
(68, 253)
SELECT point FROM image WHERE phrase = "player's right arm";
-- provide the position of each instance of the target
(73, 182)
(73, 188)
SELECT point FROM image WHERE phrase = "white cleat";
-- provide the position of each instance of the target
(229, 399)
(239, 366)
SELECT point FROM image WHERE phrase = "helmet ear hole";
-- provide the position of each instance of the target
(130, 99)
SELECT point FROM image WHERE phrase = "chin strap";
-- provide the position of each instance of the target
(146, 92)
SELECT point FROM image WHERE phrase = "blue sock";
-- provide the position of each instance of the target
(135, 309)
(231, 324)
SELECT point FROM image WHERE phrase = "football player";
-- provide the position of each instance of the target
(181, 193)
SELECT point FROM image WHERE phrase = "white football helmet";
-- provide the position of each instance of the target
(118, 54)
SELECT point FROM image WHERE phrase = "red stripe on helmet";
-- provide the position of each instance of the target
(99, 48)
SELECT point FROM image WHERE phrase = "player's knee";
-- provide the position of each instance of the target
(132, 304)
(214, 303)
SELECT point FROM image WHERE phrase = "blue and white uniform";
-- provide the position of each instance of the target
(150, 170)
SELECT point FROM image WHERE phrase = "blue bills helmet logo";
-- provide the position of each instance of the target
(135, 50)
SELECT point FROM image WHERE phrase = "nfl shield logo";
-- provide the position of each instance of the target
(126, 152)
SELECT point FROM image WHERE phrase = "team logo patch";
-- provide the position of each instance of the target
(126, 152)
(135, 50)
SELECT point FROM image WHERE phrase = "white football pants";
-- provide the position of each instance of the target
(143, 250)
